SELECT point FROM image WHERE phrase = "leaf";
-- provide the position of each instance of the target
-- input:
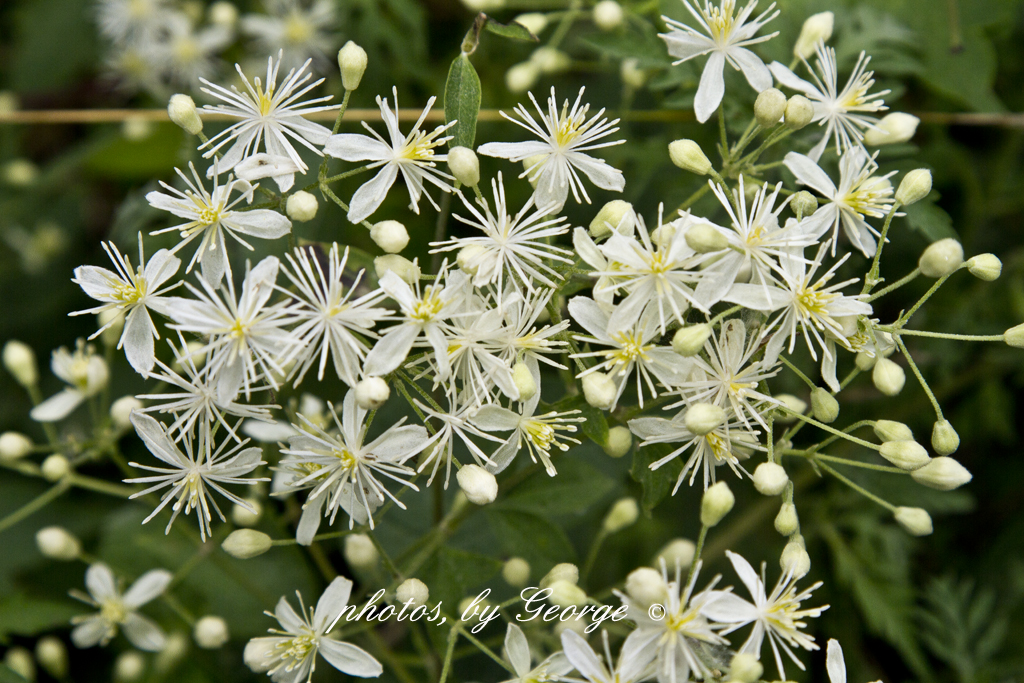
(451, 574)
(125, 159)
(531, 537)
(462, 102)
(594, 426)
(513, 30)
(576, 487)
(656, 483)
(8, 675)
(927, 218)
(23, 615)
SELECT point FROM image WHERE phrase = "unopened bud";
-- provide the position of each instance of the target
(372, 393)
(790, 402)
(663, 235)
(19, 660)
(864, 361)
(20, 172)
(599, 390)
(247, 515)
(942, 473)
(414, 590)
(770, 479)
(20, 361)
(360, 552)
(824, 405)
(530, 164)
(53, 656)
(623, 513)
(916, 521)
(769, 107)
(399, 265)
(465, 165)
(888, 377)
(907, 455)
(301, 206)
(817, 28)
(563, 571)
(985, 267)
(246, 543)
(352, 62)
(14, 445)
(689, 340)
(744, 666)
(121, 411)
(1015, 336)
(915, 186)
(520, 77)
(516, 572)
(259, 655)
(945, 440)
(223, 14)
(524, 381)
(479, 485)
(889, 430)
(468, 258)
(941, 258)
(677, 552)
(615, 215)
(799, 112)
(646, 586)
(55, 467)
(182, 111)
(703, 418)
(716, 504)
(608, 15)
(550, 60)
(786, 522)
(803, 204)
(704, 239)
(211, 632)
(57, 543)
(565, 593)
(632, 74)
(687, 155)
(129, 667)
(534, 22)
(620, 440)
(795, 559)
(391, 236)
(111, 321)
(891, 129)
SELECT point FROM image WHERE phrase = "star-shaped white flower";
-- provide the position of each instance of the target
(517, 651)
(119, 610)
(301, 30)
(84, 372)
(539, 432)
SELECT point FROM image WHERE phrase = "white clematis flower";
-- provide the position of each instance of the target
(635, 660)
(83, 370)
(725, 35)
(119, 610)
(539, 432)
(517, 651)
(301, 30)
(835, 664)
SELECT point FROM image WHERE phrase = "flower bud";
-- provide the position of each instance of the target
(678, 551)
(744, 666)
(620, 441)
(465, 165)
(14, 445)
(550, 60)
(211, 632)
(770, 478)
(247, 515)
(907, 455)
(1015, 336)
(623, 513)
(53, 656)
(817, 28)
(352, 62)
(941, 258)
(182, 111)
(687, 155)
(864, 361)
(479, 485)
(534, 22)
(945, 440)
(769, 107)
(565, 593)
(20, 361)
(301, 206)
(799, 112)
(466, 259)
(57, 543)
(136, 128)
(399, 265)
(985, 267)
(888, 430)
(564, 571)
(689, 340)
(803, 204)
(516, 572)
(608, 15)
(391, 236)
(520, 77)
(914, 187)
(121, 410)
(704, 239)
(599, 390)
(646, 586)
(529, 164)
(223, 14)
(577, 626)
(246, 543)
(794, 557)
(20, 173)
(663, 235)
(824, 405)
(942, 473)
(632, 74)
(19, 660)
(372, 393)
(916, 521)
(360, 552)
(702, 418)
(55, 467)
(524, 381)
(790, 402)
(891, 129)
(129, 667)
(414, 590)
(786, 522)
(615, 215)
(888, 377)
(258, 655)
(716, 504)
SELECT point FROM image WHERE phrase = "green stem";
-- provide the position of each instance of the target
(857, 487)
(920, 378)
(798, 373)
(595, 548)
(941, 335)
(696, 555)
(894, 286)
(34, 505)
(831, 430)
(872, 277)
(453, 636)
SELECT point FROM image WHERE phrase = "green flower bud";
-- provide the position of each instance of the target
(465, 165)
(786, 522)
(799, 112)
(615, 215)
(916, 521)
(888, 377)
(769, 107)
(182, 111)
(703, 418)
(246, 543)
(716, 504)
(824, 405)
(704, 239)
(907, 455)
(942, 473)
(915, 186)
(744, 666)
(941, 258)
(985, 267)
(352, 61)
(687, 155)
(888, 430)
(803, 204)
(564, 571)
(689, 340)
(770, 478)
(620, 441)
(945, 440)
(623, 513)
(646, 586)
(516, 572)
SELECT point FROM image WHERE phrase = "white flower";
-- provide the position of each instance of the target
(725, 35)
(191, 475)
(454, 422)
(343, 470)
(635, 660)
(211, 214)
(291, 652)
(87, 374)
(860, 193)
(272, 114)
(517, 244)
(842, 112)
(134, 292)
(413, 155)
(564, 139)
(246, 336)
(301, 30)
(517, 651)
(835, 664)
(186, 54)
(132, 21)
(331, 322)
(117, 610)
(539, 432)
(777, 616)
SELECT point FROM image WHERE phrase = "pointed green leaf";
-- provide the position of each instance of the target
(462, 102)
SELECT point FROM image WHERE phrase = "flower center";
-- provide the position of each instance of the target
(631, 348)
(129, 292)
(298, 648)
(347, 461)
(570, 127)
(191, 489)
(720, 20)
(718, 447)
(427, 308)
(113, 610)
(811, 302)
(419, 146)
(297, 30)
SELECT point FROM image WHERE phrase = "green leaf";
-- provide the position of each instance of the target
(125, 159)
(927, 218)
(23, 615)
(594, 426)
(513, 30)
(576, 487)
(530, 537)
(451, 574)
(656, 483)
(462, 102)
(8, 675)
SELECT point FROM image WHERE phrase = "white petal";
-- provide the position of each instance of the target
(834, 662)
(90, 632)
(494, 418)
(100, 582)
(350, 659)
(786, 77)
(331, 603)
(583, 657)
(390, 350)
(148, 586)
(309, 522)
(262, 223)
(729, 608)
(518, 650)
(137, 339)
(58, 406)
(143, 633)
(370, 195)
(350, 147)
(809, 173)
(154, 435)
(599, 172)
(756, 73)
(711, 89)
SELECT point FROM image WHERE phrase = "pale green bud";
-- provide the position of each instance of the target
(941, 258)
(211, 632)
(565, 593)
(372, 393)
(468, 258)
(534, 22)
(524, 381)
(550, 60)
(632, 74)
(615, 215)
(532, 163)
(907, 455)
(246, 543)
(520, 77)
(55, 467)
(787, 522)
(247, 515)
(716, 504)
(891, 129)
(770, 478)
(608, 15)
(687, 155)
(360, 552)
(111, 321)
(599, 390)
(20, 172)
(623, 513)
(914, 187)
(19, 660)
(121, 411)
(744, 666)
(646, 586)
(14, 445)
(817, 28)
(824, 405)
(945, 440)
(516, 572)
(942, 473)
(769, 107)
(414, 590)
(1015, 336)
(182, 111)
(129, 667)
(663, 235)
(465, 165)
(53, 656)
(794, 557)
(677, 552)
(704, 239)
(20, 361)
(791, 402)
(703, 418)
(689, 340)
(391, 236)
(352, 61)
(223, 14)
(564, 571)
(803, 204)
(889, 430)
(620, 440)
(399, 265)
(57, 543)
(864, 361)
(799, 112)
(301, 206)
(479, 485)
(916, 521)
(888, 377)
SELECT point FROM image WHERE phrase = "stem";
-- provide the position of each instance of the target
(872, 277)
(696, 556)
(831, 430)
(595, 548)
(453, 636)
(894, 286)
(905, 318)
(798, 373)
(941, 335)
(37, 503)
(857, 487)
(692, 199)
(920, 378)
